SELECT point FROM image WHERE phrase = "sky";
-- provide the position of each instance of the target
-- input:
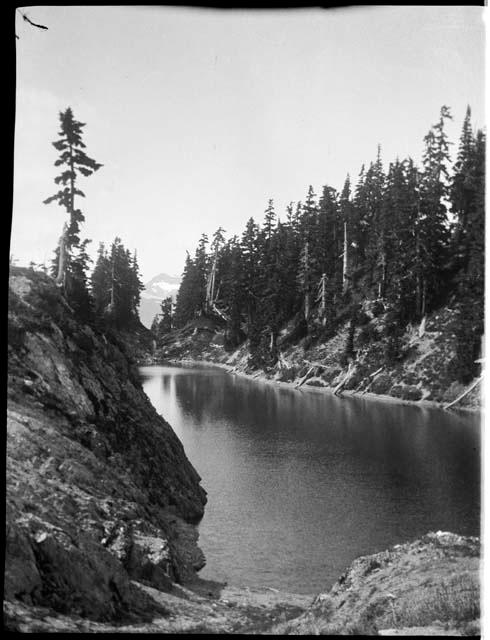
(199, 116)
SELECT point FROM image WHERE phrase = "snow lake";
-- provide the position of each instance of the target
(300, 483)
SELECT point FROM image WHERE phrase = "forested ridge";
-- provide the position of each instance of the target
(408, 238)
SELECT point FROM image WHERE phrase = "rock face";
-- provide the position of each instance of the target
(99, 490)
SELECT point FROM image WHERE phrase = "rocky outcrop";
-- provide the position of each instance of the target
(99, 491)
(429, 586)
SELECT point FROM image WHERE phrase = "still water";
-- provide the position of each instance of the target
(301, 482)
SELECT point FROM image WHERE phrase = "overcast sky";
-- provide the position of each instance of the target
(200, 116)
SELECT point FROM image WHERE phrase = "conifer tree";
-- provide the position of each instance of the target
(346, 215)
(432, 225)
(470, 280)
(269, 220)
(329, 250)
(392, 239)
(463, 191)
(116, 285)
(189, 295)
(71, 267)
(165, 323)
(101, 281)
(202, 264)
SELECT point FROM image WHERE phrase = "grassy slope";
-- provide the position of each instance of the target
(430, 584)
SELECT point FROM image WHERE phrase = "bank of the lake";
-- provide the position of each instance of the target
(424, 372)
(261, 376)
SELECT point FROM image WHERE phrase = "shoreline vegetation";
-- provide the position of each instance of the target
(260, 376)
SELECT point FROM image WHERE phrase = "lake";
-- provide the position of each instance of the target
(302, 482)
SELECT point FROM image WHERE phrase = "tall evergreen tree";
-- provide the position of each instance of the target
(346, 217)
(471, 277)
(463, 191)
(101, 281)
(432, 225)
(70, 270)
(190, 295)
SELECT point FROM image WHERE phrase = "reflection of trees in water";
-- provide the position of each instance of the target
(166, 382)
(420, 461)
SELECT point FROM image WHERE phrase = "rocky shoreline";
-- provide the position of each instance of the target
(422, 375)
(261, 376)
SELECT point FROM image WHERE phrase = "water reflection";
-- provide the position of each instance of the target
(299, 484)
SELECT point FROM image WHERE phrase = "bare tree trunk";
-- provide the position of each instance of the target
(307, 283)
(60, 278)
(324, 293)
(112, 302)
(345, 264)
(307, 305)
(210, 286)
(324, 298)
(424, 298)
(343, 382)
(305, 377)
(382, 282)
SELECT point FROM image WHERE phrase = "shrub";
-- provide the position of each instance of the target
(381, 384)
(329, 375)
(367, 334)
(454, 599)
(303, 371)
(362, 319)
(396, 391)
(315, 382)
(353, 381)
(287, 374)
(378, 308)
(411, 392)
(410, 378)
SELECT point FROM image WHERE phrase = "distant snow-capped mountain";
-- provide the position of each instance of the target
(160, 287)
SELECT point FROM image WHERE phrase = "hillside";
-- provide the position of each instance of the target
(424, 372)
(99, 488)
(102, 503)
(377, 286)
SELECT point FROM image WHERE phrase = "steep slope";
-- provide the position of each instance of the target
(99, 490)
(423, 371)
